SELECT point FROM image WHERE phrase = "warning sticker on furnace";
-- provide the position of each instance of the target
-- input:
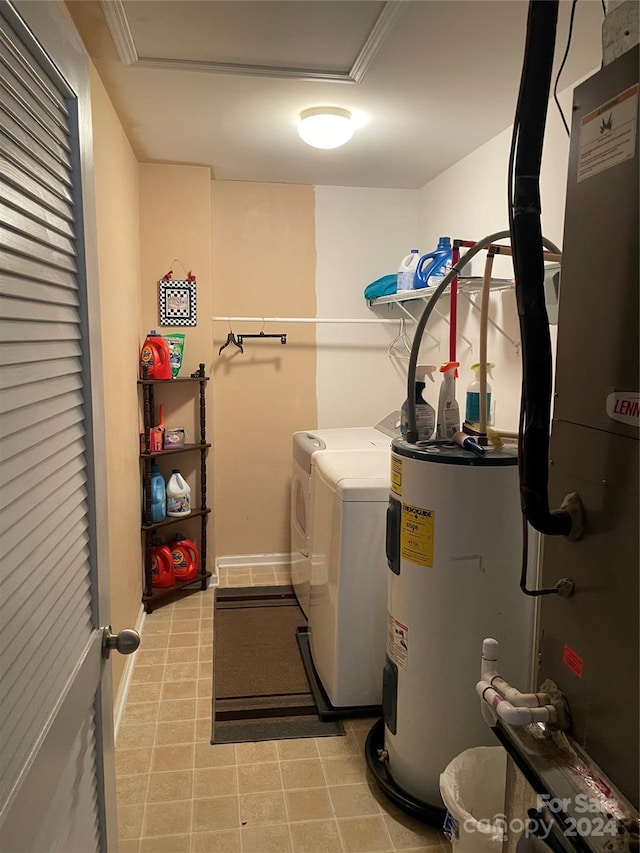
(416, 535)
(397, 642)
(396, 475)
(608, 134)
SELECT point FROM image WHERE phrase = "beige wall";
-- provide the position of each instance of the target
(175, 230)
(264, 264)
(116, 189)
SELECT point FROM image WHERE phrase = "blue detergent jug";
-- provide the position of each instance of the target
(433, 266)
(158, 496)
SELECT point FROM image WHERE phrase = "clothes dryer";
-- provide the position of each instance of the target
(348, 603)
(305, 445)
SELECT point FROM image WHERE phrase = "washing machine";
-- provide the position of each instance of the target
(305, 447)
(348, 602)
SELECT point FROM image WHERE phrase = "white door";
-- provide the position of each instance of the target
(56, 729)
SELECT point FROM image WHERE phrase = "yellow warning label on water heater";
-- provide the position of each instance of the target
(396, 475)
(416, 535)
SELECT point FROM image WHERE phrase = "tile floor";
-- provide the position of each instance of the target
(179, 794)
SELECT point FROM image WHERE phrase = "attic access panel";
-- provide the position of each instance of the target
(308, 38)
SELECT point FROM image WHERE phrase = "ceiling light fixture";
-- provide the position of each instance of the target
(326, 127)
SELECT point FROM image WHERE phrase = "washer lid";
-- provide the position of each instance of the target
(307, 443)
(356, 475)
(345, 438)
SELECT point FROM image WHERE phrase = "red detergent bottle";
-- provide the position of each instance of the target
(154, 355)
(185, 558)
(161, 565)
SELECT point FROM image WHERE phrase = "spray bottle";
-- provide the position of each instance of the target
(472, 409)
(448, 412)
(425, 413)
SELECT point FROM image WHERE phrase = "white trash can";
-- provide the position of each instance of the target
(473, 789)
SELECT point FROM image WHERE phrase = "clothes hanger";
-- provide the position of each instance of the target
(400, 346)
(262, 334)
(282, 336)
(231, 339)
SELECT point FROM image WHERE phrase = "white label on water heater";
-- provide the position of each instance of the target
(624, 406)
(397, 642)
(608, 134)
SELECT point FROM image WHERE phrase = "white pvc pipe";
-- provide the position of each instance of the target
(508, 713)
(489, 674)
(488, 669)
(489, 659)
(513, 695)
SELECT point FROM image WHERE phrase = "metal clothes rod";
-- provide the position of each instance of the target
(356, 321)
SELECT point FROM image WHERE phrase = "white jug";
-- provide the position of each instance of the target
(178, 495)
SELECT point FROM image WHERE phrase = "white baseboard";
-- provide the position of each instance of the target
(243, 561)
(125, 681)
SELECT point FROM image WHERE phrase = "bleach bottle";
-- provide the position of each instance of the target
(448, 412)
(178, 495)
(472, 408)
(425, 413)
(155, 357)
(407, 271)
(433, 266)
(185, 558)
(158, 496)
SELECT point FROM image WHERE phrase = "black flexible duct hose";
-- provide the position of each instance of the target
(526, 241)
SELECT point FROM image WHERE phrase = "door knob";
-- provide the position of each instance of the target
(125, 642)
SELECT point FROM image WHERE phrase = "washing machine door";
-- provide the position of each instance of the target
(300, 498)
(305, 444)
(300, 537)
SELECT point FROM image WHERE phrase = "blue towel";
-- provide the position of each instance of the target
(381, 287)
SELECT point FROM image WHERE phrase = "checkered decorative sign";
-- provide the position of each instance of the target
(177, 302)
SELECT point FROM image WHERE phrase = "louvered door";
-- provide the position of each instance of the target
(54, 701)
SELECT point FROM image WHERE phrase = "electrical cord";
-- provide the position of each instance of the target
(564, 59)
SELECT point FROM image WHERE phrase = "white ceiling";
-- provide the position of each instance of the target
(221, 82)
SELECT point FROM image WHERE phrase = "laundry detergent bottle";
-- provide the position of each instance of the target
(161, 565)
(472, 407)
(407, 271)
(185, 557)
(178, 495)
(448, 412)
(158, 496)
(433, 266)
(155, 360)
(425, 413)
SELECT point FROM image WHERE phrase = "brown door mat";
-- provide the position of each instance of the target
(260, 686)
